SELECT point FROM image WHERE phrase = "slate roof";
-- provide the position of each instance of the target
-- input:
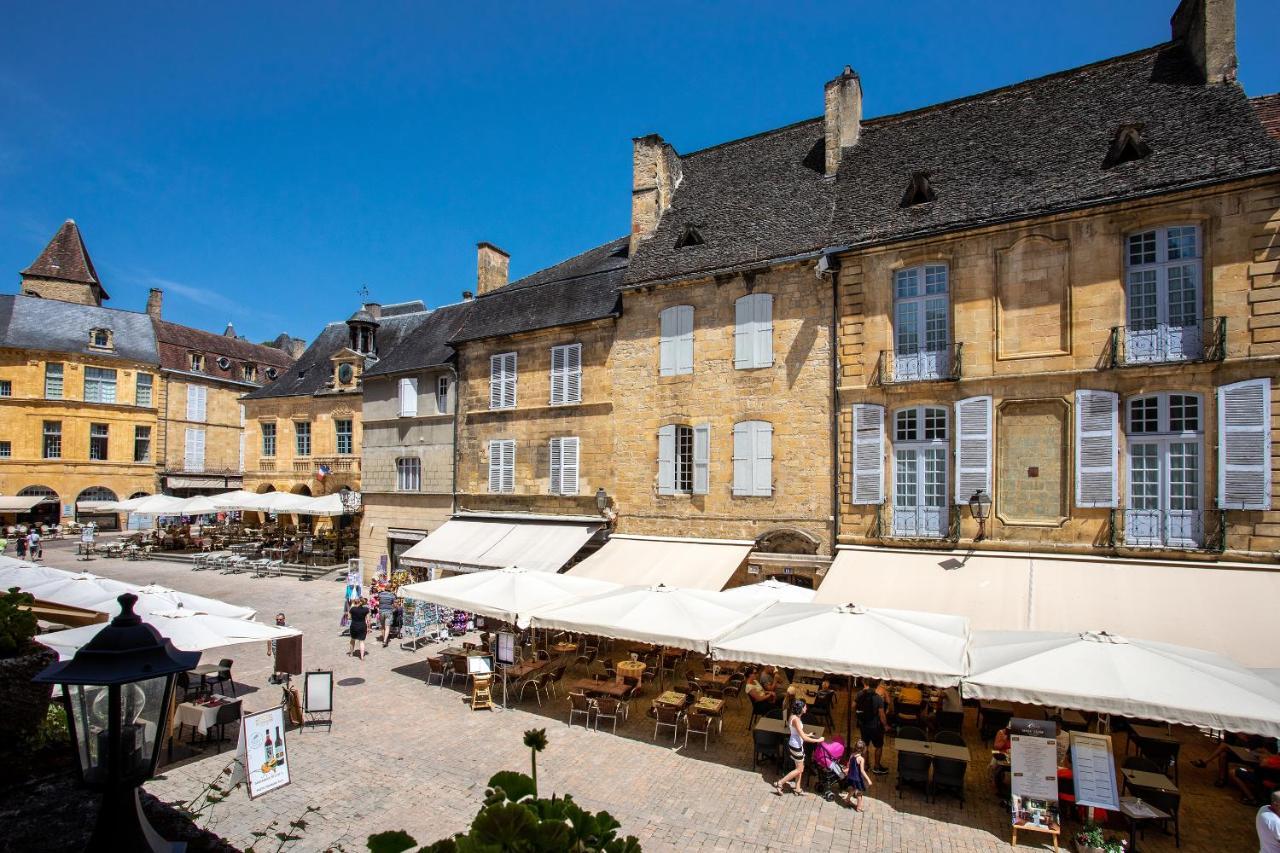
(313, 370)
(1023, 150)
(66, 259)
(1267, 109)
(32, 323)
(176, 342)
(583, 288)
(425, 343)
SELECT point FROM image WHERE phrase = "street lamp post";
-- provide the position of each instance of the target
(602, 500)
(980, 509)
(117, 691)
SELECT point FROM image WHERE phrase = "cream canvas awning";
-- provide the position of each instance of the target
(469, 544)
(9, 503)
(1226, 608)
(651, 560)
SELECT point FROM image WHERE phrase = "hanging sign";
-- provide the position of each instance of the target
(1033, 766)
(262, 751)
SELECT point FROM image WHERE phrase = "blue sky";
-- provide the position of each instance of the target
(262, 162)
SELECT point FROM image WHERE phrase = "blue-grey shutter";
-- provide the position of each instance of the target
(701, 458)
(1244, 445)
(1097, 452)
(973, 447)
(868, 454)
(667, 460)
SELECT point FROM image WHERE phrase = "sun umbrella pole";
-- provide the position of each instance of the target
(848, 715)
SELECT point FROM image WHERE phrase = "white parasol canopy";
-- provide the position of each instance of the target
(155, 597)
(82, 589)
(901, 645)
(771, 591)
(663, 615)
(326, 505)
(24, 575)
(509, 594)
(190, 631)
(94, 592)
(278, 502)
(200, 505)
(148, 505)
(1113, 675)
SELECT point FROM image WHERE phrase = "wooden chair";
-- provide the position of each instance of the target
(435, 669)
(697, 724)
(459, 670)
(948, 775)
(949, 737)
(666, 718)
(610, 708)
(580, 704)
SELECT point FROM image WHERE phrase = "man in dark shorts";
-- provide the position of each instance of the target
(872, 721)
(386, 604)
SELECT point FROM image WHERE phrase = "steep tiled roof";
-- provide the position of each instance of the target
(1024, 150)
(313, 370)
(176, 342)
(32, 323)
(1267, 109)
(425, 343)
(583, 288)
(66, 259)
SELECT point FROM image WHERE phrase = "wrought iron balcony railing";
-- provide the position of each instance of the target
(1178, 530)
(941, 523)
(897, 366)
(1163, 343)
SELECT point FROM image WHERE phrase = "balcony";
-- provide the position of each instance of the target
(266, 464)
(337, 464)
(941, 523)
(895, 367)
(1163, 343)
(1174, 530)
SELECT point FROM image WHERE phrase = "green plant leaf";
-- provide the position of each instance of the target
(516, 786)
(395, 841)
(503, 825)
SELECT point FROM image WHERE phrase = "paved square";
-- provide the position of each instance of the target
(404, 755)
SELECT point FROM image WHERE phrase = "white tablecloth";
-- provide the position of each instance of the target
(200, 716)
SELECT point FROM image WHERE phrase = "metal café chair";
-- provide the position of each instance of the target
(666, 717)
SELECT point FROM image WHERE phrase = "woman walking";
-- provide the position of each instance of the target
(359, 626)
(795, 748)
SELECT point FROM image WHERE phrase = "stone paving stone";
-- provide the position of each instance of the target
(403, 755)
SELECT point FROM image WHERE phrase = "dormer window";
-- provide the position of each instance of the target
(919, 191)
(346, 373)
(689, 236)
(197, 362)
(249, 372)
(1127, 144)
(100, 338)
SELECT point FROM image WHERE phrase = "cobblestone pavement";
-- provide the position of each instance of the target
(403, 755)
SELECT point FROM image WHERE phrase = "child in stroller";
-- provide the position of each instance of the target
(841, 775)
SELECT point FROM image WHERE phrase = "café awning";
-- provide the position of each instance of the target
(507, 594)
(463, 545)
(650, 560)
(11, 503)
(1226, 608)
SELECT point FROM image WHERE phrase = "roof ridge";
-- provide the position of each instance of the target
(81, 304)
(750, 137)
(567, 260)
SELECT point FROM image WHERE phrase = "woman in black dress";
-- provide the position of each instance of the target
(359, 614)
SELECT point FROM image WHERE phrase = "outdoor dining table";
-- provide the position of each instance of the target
(520, 670)
(604, 688)
(1147, 780)
(1136, 811)
(779, 727)
(564, 648)
(674, 698)
(1140, 734)
(807, 693)
(201, 717)
(629, 669)
(1072, 720)
(933, 749)
(205, 670)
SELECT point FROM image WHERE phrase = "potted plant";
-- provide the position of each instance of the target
(1091, 839)
(23, 703)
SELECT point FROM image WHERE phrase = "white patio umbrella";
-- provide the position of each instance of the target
(900, 645)
(771, 591)
(82, 589)
(151, 505)
(155, 597)
(190, 631)
(328, 505)
(285, 502)
(509, 594)
(199, 505)
(233, 498)
(1272, 675)
(24, 575)
(1096, 671)
(663, 615)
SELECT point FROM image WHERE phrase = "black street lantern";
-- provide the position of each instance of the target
(980, 508)
(602, 500)
(117, 691)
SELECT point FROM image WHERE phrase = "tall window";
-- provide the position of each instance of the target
(566, 374)
(6, 388)
(197, 400)
(52, 440)
(343, 429)
(408, 475)
(197, 362)
(268, 439)
(753, 331)
(142, 444)
(99, 385)
(921, 325)
(920, 472)
(684, 455)
(249, 372)
(302, 438)
(502, 381)
(753, 458)
(442, 395)
(675, 346)
(98, 434)
(53, 380)
(1166, 474)
(408, 389)
(1163, 294)
(193, 450)
(564, 466)
(502, 466)
(142, 393)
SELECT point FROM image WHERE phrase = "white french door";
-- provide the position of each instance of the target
(1163, 296)
(920, 490)
(921, 326)
(1165, 493)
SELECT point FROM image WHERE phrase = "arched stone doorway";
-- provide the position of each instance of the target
(789, 555)
(301, 489)
(48, 511)
(266, 487)
(88, 513)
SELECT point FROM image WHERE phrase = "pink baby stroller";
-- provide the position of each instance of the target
(831, 773)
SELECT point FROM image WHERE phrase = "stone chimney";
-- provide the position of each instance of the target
(1207, 28)
(374, 309)
(467, 296)
(155, 301)
(492, 266)
(843, 111)
(655, 174)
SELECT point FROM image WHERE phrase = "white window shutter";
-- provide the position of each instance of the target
(409, 397)
(202, 411)
(557, 460)
(495, 466)
(193, 403)
(684, 350)
(667, 460)
(667, 342)
(573, 374)
(508, 466)
(868, 454)
(701, 459)
(742, 460)
(743, 333)
(973, 447)
(1244, 445)
(495, 381)
(199, 450)
(509, 385)
(1097, 428)
(558, 375)
(762, 459)
(763, 354)
(568, 466)
(189, 449)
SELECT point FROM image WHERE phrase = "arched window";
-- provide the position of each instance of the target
(920, 449)
(97, 493)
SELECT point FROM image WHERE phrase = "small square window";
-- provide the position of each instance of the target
(1144, 415)
(1184, 413)
(935, 424)
(6, 388)
(197, 362)
(6, 449)
(907, 426)
(100, 338)
(1142, 248)
(907, 282)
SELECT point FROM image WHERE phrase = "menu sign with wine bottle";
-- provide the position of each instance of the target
(263, 752)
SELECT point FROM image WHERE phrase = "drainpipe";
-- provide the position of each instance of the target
(453, 457)
(829, 265)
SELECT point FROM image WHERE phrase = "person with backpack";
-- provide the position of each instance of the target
(873, 720)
